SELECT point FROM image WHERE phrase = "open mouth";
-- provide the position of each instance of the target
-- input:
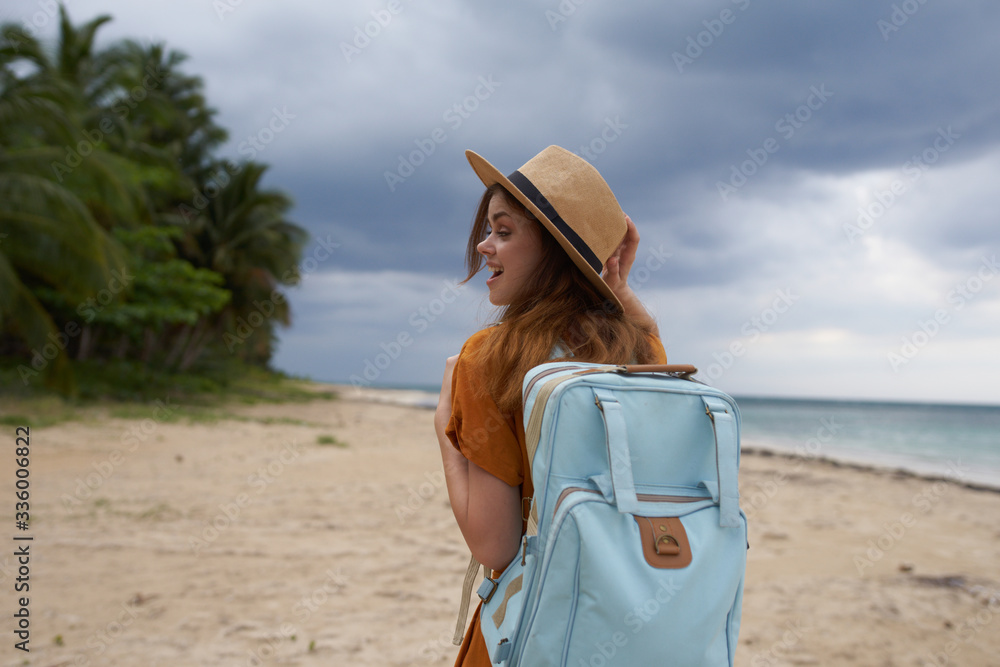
(496, 271)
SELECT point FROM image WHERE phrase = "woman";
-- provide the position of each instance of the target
(559, 250)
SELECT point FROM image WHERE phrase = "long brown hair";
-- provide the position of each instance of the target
(556, 306)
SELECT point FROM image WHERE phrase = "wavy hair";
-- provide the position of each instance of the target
(557, 306)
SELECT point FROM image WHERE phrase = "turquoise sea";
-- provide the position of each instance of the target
(955, 441)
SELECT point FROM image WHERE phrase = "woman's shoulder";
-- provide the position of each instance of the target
(478, 340)
(479, 357)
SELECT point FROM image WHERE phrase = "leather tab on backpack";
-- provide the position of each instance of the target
(664, 542)
(667, 545)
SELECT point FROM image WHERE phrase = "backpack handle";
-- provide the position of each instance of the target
(619, 456)
(724, 431)
(677, 369)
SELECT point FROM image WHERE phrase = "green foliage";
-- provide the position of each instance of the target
(132, 390)
(166, 290)
(330, 440)
(105, 230)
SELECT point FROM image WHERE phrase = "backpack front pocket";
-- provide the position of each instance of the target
(602, 598)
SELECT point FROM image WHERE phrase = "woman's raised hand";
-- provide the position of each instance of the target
(618, 266)
(616, 271)
(442, 415)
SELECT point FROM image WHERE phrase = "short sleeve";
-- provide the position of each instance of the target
(477, 427)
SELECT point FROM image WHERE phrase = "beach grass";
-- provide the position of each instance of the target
(131, 390)
(330, 440)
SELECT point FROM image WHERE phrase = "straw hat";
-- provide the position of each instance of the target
(572, 201)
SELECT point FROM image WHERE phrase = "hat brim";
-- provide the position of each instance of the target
(490, 175)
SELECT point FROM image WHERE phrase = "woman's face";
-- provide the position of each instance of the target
(513, 250)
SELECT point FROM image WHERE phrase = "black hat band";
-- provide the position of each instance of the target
(528, 188)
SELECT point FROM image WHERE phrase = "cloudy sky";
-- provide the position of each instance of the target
(816, 183)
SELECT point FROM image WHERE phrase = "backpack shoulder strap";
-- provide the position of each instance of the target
(463, 608)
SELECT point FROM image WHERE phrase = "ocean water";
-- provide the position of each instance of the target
(956, 441)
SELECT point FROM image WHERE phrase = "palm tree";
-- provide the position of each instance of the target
(48, 235)
(100, 145)
(159, 118)
(246, 238)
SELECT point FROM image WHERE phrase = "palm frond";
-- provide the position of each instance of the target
(52, 237)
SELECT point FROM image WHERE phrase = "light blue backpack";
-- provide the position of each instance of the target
(636, 546)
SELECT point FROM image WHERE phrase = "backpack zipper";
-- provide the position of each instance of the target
(645, 497)
(546, 373)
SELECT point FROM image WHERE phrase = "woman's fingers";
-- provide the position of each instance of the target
(627, 250)
(442, 415)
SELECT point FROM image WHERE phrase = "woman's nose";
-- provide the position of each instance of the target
(484, 247)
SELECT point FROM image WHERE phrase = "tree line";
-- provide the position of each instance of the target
(122, 234)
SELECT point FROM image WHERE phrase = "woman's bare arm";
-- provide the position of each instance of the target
(487, 509)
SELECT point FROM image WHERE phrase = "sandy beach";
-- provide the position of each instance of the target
(319, 533)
